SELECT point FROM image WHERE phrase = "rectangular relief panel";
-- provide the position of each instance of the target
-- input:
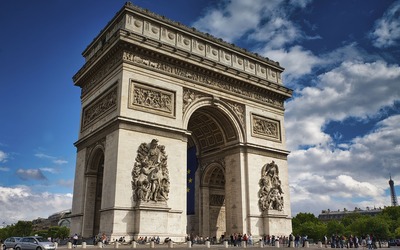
(266, 128)
(104, 105)
(151, 99)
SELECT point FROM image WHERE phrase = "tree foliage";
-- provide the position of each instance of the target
(384, 226)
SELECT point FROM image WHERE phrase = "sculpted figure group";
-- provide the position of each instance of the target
(150, 176)
(270, 193)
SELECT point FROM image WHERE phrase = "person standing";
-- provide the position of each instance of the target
(74, 240)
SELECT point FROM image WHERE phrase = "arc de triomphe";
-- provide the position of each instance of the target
(153, 90)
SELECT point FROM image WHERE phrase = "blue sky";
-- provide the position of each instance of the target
(341, 58)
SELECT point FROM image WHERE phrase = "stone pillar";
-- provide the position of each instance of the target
(244, 244)
(277, 244)
(226, 244)
(307, 245)
(170, 244)
(83, 244)
(69, 245)
(116, 245)
(55, 244)
(208, 244)
(189, 244)
(133, 244)
(291, 244)
(99, 244)
(261, 244)
(319, 244)
(1, 246)
(151, 244)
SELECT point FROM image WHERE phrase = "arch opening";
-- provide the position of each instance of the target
(211, 132)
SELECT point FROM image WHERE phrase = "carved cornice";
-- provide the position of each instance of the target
(145, 22)
(208, 78)
(266, 128)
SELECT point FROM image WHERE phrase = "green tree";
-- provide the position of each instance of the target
(335, 227)
(22, 228)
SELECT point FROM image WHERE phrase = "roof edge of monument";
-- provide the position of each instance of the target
(192, 30)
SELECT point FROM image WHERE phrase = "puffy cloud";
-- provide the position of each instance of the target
(30, 174)
(4, 169)
(290, 59)
(20, 203)
(335, 176)
(3, 156)
(258, 20)
(353, 89)
(386, 32)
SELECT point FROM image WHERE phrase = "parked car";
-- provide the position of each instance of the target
(35, 243)
(10, 242)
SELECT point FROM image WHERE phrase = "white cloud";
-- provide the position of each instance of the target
(386, 32)
(21, 203)
(55, 160)
(296, 61)
(30, 174)
(50, 170)
(60, 162)
(258, 20)
(353, 89)
(334, 177)
(3, 156)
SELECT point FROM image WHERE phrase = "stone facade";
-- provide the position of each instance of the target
(152, 88)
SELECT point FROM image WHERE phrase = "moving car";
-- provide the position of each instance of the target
(10, 242)
(34, 243)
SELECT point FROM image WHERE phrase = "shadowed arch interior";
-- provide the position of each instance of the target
(211, 129)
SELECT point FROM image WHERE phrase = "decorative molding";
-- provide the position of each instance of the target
(239, 110)
(189, 96)
(266, 128)
(217, 200)
(151, 99)
(104, 69)
(202, 78)
(100, 108)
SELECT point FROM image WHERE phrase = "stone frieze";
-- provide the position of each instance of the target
(100, 108)
(151, 99)
(201, 78)
(265, 127)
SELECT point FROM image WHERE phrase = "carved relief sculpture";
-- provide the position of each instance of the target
(150, 175)
(270, 193)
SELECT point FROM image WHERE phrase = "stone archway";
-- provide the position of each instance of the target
(147, 79)
(94, 188)
(215, 132)
(212, 193)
